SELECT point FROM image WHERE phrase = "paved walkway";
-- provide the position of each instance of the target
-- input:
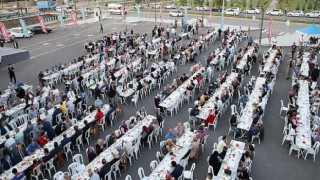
(272, 5)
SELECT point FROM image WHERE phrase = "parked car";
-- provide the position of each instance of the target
(252, 11)
(216, 9)
(18, 32)
(88, 10)
(186, 6)
(236, 9)
(275, 12)
(9, 12)
(11, 39)
(138, 5)
(313, 14)
(38, 30)
(201, 8)
(170, 6)
(176, 13)
(69, 9)
(296, 13)
(156, 6)
(231, 12)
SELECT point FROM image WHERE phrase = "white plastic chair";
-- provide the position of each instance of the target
(314, 151)
(72, 168)
(186, 125)
(37, 172)
(204, 143)
(78, 159)
(296, 148)
(210, 170)
(50, 166)
(103, 123)
(67, 150)
(128, 177)
(79, 142)
(116, 168)
(233, 109)
(141, 173)
(189, 174)
(158, 154)
(153, 164)
(283, 108)
(58, 175)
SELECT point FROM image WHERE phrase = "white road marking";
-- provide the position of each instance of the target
(90, 35)
(281, 33)
(77, 34)
(45, 44)
(264, 31)
(59, 45)
(84, 40)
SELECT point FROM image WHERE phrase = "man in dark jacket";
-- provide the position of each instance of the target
(76, 135)
(177, 171)
(105, 168)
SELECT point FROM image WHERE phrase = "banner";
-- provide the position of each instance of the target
(24, 28)
(161, 15)
(270, 31)
(84, 17)
(60, 17)
(138, 12)
(74, 18)
(43, 26)
(123, 16)
(222, 23)
(210, 17)
(4, 32)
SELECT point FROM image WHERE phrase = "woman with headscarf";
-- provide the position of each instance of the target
(142, 113)
(215, 162)
(91, 154)
(144, 134)
(123, 127)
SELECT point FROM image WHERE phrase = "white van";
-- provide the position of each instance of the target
(18, 32)
(115, 9)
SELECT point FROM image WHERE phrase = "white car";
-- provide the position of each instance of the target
(231, 12)
(170, 6)
(70, 8)
(296, 13)
(176, 13)
(18, 32)
(186, 6)
(236, 9)
(88, 10)
(275, 12)
(252, 11)
(201, 8)
(157, 6)
(313, 14)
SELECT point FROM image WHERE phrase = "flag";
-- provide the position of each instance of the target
(270, 31)
(185, 15)
(249, 30)
(210, 16)
(161, 15)
(60, 17)
(83, 15)
(74, 18)
(43, 26)
(123, 16)
(24, 28)
(222, 23)
(4, 32)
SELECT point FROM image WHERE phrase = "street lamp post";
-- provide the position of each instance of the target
(222, 13)
(202, 23)
(261, 25)
(155, 10)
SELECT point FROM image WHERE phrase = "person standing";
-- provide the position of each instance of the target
(11, 73)
(293, 49)
(289, 67)
(101, 28)
(15, 44)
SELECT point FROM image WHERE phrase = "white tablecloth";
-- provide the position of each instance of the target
(246, 117)
(243, 60)
(179, 151)
(231, 160)
(14, 110)
(268, 62)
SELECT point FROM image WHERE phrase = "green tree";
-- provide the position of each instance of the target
(258, 4)
(213, 3)
(316, 5)
(304, 7)
(251, 4)
(198, 2)
(298, 6)
(231, 3)
(309, 5)
(138, 1)
(218, 3)
(207, 3)
(244, 3)
(182, 2)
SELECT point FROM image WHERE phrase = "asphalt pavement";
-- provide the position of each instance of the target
(271, 162)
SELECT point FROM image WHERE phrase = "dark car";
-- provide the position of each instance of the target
(2, 39)
(38, 30)
(215, 9)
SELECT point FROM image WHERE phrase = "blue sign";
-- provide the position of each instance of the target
(24, 28)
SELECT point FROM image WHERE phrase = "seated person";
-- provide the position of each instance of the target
(105, 169)
(47, 156)
(254, 130)
(233, 124)
(177, 171)
(32, 147)
(170, 135)
(211, 118)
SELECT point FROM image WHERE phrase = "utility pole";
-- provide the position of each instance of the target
(222, 13)
(155, 10)
(202, 23)
(261, 25)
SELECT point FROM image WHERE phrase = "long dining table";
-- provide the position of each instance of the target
(231, 160)
(124, 142)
